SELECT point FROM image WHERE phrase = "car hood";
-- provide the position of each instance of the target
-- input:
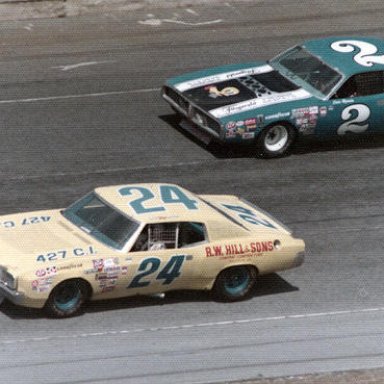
(226, 91)
(29, 238)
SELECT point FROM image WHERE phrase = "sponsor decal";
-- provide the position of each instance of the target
(248, 135)
(240, 129)
(49, 271)
(259, 102)
(69, 266)
(250, 122)
(107, 273)
(256, 248)
(323, 111)
(187, 85)
(214, 92)
(106, 276)
(230, 134)
(306, 119)
(42, 285)
(279, 115)
(98, 265)
(342, 101)
(231, 125)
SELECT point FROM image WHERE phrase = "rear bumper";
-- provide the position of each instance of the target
(299, 259)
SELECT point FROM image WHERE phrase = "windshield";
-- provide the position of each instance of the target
(307, 70)
(101, 221)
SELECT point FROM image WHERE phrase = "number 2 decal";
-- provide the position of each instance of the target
(355, 117)
(170, 272)
(365, 57)
(169, 194)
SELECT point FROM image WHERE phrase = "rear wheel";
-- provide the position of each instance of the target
(276, 140)
(67, 298)
(234, 283)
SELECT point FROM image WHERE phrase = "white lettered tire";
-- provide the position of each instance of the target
(276, 140)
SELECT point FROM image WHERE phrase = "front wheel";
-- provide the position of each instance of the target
(276, 140)
(67, 298)
(234, 283)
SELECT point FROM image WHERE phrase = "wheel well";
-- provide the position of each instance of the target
(83, 282)
(253, 268)
(281, 122)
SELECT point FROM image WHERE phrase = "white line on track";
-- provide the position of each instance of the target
(158, 22)
(197, 325)
(83, 64)
(85, 95)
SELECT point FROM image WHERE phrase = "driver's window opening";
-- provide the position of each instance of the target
(362, 84)
(160, 236)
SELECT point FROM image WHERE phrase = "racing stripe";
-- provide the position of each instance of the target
(186, 85)
(259, 102)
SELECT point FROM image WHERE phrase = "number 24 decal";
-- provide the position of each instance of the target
(169, 194)
(170, 271)
(355, 117)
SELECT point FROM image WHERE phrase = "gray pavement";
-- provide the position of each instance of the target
(31, 9)
(80, 107)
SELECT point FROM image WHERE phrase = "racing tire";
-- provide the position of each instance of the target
(276, 140)
(67, 298)
(234, 283)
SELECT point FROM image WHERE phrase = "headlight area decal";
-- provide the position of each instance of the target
(63, 254)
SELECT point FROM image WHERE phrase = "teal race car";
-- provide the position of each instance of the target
(325, 87)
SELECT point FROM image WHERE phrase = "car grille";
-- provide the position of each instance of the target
(197, 115)
(214, 125)
(178, 99)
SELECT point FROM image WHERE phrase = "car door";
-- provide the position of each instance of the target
(358, 106)
(163, 258)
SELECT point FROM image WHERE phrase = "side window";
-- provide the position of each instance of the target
(155, 237)
(190, 234)
(348, 89)
(370, 83)
(363, 84)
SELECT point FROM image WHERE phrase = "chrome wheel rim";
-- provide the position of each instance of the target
(276, 138)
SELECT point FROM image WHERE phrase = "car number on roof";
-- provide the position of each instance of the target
(168, 194)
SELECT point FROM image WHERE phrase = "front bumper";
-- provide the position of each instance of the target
(11, 295)
(194, 114)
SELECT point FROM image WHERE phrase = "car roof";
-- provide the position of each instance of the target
(345, 62)
(166, 212)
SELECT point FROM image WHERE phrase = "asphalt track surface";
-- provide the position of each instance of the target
(80, 107)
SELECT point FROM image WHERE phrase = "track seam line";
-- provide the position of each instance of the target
(198, 325)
